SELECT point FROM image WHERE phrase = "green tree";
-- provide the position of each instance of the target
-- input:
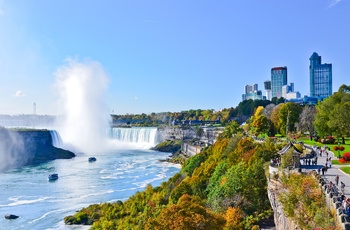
(288, 117)
(199, 132)
(340, 120)
(333, 114)
(231, 129)
(275, 116)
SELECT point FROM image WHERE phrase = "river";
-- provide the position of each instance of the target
(42, 204)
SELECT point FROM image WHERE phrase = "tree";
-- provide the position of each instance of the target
(288, 116)
(189, 214)
(340, 120)
(275, 116)
(260, 124)
(277, 101)
(322, 117)
(306, 120)
(234, 218)
(199, 132)
(232, 128)
(333, 114)
(268, 110)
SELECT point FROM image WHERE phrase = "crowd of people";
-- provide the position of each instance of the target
(337, 187)
(333, 187)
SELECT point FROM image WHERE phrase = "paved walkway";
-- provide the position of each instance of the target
(331, 172)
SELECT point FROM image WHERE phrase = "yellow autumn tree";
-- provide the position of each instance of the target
(234, 218)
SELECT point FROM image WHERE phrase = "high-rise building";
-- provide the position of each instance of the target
(252, 92)
(278, 80)
(267, 86)
(250, 88)
(320, 77)
(287, 89)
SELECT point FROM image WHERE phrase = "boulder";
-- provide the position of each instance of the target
(11, 216)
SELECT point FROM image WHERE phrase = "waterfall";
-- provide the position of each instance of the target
(56, 139)
(140, 136)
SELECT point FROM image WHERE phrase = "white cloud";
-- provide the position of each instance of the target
(19, 93)
(334, 2)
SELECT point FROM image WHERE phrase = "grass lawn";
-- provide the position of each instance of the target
(345, 169)
(307, 141)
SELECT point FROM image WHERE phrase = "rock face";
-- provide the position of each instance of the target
(282, 222)
(25, 147)
(168, 146)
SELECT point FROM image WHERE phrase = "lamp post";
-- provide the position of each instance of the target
(338, 150)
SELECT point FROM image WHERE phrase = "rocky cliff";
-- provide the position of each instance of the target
(25, 147)
(282, 222)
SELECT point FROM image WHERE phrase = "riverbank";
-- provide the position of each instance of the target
(173, 147)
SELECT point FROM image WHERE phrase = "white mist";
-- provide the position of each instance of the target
(84, 118)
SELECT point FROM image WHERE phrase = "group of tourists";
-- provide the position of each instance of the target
(323, 151)
(310, 161)
(325, 167)
(333, 187)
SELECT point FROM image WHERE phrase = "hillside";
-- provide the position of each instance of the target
(223, 187)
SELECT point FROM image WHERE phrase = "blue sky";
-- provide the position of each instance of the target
(163, 55)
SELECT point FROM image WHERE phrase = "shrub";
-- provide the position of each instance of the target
(328, 140)
(343, 161)
(346, 156)
(336, 148)
(192, 163)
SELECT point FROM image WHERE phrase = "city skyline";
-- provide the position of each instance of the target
(164, 56)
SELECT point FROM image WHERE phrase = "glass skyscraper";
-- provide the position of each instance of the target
(320, 77)
(278, 80)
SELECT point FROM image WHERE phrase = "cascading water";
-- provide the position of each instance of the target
(140, 137)
(56, 139)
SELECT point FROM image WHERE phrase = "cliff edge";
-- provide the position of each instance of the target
(28, 146)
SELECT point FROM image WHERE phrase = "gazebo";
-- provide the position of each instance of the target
(295, 156)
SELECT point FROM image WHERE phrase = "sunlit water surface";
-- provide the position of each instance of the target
(41, 204)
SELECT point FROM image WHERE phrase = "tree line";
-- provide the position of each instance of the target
(329, 117)
(240, 113)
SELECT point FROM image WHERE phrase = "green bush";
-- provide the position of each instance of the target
(193, 163)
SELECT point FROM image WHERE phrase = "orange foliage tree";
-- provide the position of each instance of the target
(189, 214)
(234, 218)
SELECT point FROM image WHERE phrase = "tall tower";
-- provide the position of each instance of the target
(34, 108)
(320, 77)
(267, 86)
(278, 79)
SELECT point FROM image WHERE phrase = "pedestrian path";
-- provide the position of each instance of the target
(331, 172)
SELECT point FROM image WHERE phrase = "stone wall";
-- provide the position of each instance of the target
(282, 222)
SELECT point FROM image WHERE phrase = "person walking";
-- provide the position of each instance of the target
(337, 180)
(342, 187)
